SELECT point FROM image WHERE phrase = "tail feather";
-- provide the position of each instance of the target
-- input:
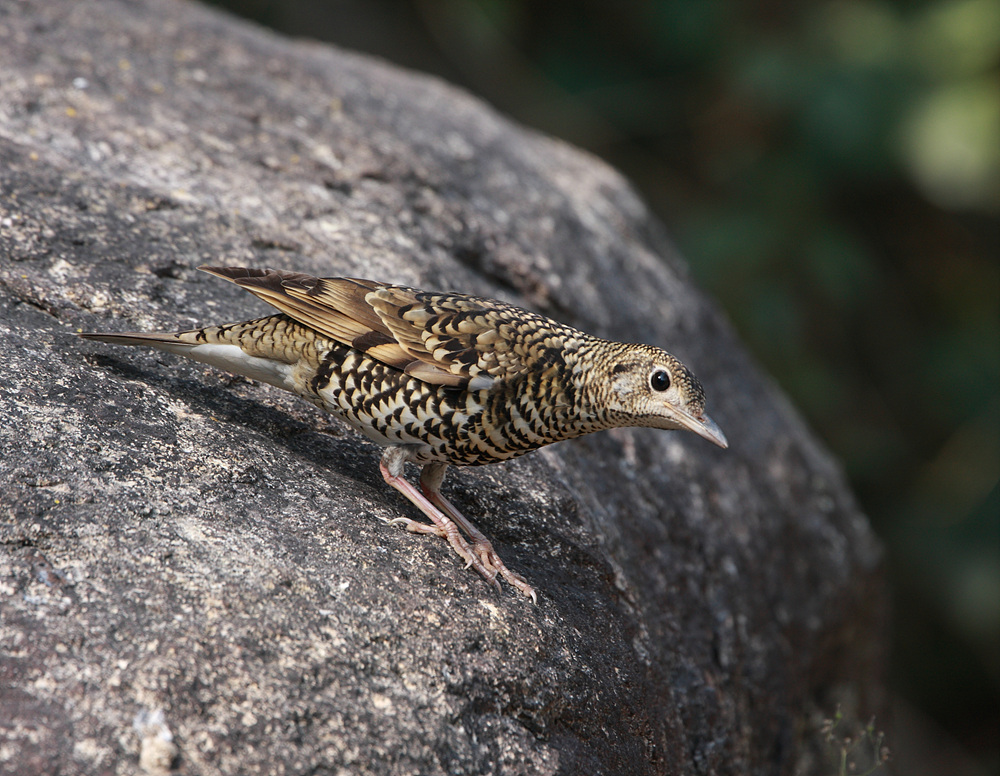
(177, 342)
(207, 346)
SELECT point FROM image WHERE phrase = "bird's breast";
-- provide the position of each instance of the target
(453, 425)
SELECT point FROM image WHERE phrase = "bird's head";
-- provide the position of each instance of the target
(649, 387)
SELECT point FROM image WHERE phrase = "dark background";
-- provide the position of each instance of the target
(831, 171)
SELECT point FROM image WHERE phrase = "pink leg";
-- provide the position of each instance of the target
(431, 478)
(391, 467)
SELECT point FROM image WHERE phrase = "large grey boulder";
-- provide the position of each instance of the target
(190, 556)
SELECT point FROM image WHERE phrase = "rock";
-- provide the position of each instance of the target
(194, 573)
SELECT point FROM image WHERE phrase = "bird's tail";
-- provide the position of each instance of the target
(231, 347)
(180, 343)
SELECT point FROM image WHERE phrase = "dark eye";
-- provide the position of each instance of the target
(659, 380)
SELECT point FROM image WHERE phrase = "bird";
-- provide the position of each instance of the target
(440, 379)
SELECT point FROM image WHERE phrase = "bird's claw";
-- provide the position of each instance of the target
(415, 526)
(490, 561)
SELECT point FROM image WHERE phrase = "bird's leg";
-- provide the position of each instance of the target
(431, 477)
(391, 466)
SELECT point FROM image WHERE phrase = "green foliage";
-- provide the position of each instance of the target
(858, 753)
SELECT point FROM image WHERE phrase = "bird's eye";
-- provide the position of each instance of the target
(659, 380)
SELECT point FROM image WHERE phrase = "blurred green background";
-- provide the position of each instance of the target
(831, 170)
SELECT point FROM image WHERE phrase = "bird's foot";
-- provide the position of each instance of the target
(477, 552)
(490, 560)
(415, 526)
(458, 543)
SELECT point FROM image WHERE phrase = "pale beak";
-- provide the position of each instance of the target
(703, 426)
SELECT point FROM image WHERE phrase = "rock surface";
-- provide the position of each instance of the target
(194, 575)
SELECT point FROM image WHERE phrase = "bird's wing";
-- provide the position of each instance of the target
(440, 338)
(474, 340)
(335, 307)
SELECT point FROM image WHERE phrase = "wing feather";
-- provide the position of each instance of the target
(443, 339)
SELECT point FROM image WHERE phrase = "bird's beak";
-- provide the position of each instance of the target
(703, 426)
